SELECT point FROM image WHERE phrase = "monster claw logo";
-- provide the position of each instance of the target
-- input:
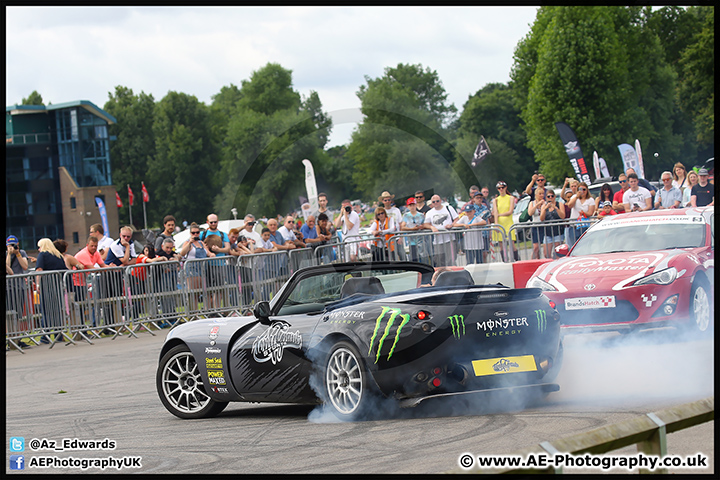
(541, 320)
(504, 365)
(457, 322)
(394, 313)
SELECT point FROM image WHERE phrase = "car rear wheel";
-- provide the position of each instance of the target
(700, 306)
(181, 388)
(346, 382)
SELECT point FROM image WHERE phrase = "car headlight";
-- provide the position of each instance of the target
(663, 277)
(537, 282)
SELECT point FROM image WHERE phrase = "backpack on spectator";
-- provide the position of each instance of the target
(524, 216)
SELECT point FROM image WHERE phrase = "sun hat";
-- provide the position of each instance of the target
(385, 194)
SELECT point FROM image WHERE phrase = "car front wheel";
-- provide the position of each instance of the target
(700, 306)
(181, 388)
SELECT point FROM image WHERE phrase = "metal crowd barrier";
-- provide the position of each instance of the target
(523, 235)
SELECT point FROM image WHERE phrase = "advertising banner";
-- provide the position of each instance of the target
(574, 153)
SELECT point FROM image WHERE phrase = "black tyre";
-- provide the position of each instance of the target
(555, 368)
(181, 388)
(701, 315)
(347, 389)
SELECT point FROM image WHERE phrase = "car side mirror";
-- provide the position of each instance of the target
(262, 312)
(562, 250)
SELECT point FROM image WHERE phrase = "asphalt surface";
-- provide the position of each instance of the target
(107, 391)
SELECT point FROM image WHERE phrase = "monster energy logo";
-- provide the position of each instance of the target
(541, 320)
(457, 322)
(394, 313)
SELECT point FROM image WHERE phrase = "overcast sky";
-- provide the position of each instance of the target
(82, 53)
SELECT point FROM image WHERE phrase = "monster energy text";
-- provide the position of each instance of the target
(394, 313)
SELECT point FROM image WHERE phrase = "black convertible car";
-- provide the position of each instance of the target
(341, 334)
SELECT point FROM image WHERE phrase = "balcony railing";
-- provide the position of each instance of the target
(28, 138)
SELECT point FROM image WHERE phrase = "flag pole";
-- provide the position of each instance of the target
(130, 206)
(145, 199)
(144, 216)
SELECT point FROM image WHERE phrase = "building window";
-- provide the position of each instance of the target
(76, 237)
(73, 204)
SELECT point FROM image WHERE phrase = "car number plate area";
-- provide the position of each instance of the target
(584, 303)
(496, 366)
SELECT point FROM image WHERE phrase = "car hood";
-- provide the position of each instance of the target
(609, 271)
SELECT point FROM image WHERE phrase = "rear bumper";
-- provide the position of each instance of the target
(541, 388)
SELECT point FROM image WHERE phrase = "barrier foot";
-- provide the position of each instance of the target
(139, 325)
(17, 347)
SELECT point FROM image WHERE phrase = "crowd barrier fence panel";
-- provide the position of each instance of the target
(569, 230)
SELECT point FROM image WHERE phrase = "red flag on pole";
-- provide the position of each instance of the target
(146, 197)
(117, 200)
(130, 196)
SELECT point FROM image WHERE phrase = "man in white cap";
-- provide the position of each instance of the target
(702, 193)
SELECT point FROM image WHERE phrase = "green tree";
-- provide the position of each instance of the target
(270, 130)
(33, 99)
(180, 173)
(133, 147)
(697, 69)
(602, 72)
(404, 143)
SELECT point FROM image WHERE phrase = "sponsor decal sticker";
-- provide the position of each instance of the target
(216, 377)
(347, 316)
(498, 327)
(393, 314)
(213, 333)
(497, 366)
(584, 303)
(648, 300)
(269, 346)
(541, 316)
(213, 363)
(457, 322)
(212, 350)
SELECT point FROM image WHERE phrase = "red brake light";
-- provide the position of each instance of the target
(436, 382)
(552, 304)
(421, 315)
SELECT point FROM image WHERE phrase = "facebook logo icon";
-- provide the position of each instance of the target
(17, 462)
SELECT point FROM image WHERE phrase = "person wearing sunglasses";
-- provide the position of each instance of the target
(669, 196)
(617, 202)
(538, 180)
(122, 253)
(582, 205)
(502, 210)
(439, 220)
(422, 206)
